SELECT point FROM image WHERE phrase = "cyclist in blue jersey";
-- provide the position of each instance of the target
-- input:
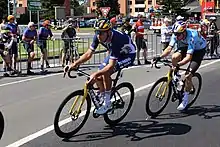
(121, 54)
(190, 48)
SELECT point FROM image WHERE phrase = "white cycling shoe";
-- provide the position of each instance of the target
(184, 103)
(104, 108)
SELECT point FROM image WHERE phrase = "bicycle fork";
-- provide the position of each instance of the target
(78, 111)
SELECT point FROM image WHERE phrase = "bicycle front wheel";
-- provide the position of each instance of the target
(194, 93)
(71, 104)
(159, 92)
(122, 98)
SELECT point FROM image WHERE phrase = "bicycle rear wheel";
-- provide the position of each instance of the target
(158, 88)
(118, 102)
(59, 125)
(196, 89)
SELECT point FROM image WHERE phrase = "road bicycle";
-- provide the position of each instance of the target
(72, 53)
(89, 94)
(167, 84)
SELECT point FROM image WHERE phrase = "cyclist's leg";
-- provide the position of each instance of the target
(107, 81)
(99, 82)
(193, 67)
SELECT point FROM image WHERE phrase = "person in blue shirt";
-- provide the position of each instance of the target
(191, 47)
(43, 34)
(122, 52)
(15, 33)
(29, 36)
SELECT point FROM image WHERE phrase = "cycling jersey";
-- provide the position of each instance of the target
(44, 33)
(193, 40)
(118, 42)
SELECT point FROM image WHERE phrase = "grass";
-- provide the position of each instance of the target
(54, 48)
(81, 30)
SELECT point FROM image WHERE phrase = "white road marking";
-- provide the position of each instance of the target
(51, 128)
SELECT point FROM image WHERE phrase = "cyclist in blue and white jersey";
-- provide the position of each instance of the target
(190, 48)
(121, 54)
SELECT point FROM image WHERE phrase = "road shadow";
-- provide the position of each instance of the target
(205, 111)
(135, 130)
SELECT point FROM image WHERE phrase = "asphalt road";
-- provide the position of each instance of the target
(29, 105)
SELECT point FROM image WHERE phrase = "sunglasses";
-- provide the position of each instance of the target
(177, 34)
(99, 32)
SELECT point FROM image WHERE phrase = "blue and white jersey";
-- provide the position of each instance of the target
(119, 41)
(193, 40)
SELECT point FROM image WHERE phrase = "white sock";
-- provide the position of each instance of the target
(107, 97)
(186, 94)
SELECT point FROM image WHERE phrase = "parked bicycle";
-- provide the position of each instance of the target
(168, 84)
(77, 110)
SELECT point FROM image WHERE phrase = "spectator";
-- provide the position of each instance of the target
(140, 41)
(165, 33)
(126, 27)
(67, 36)
(14, 30)
(114, 23)
(29, 36)
(43, 34)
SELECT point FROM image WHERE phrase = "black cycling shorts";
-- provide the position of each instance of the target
(196, 58)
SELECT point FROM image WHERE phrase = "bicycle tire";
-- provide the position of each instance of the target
(147, 105)
(2, 124)
(131, 89)
(198, 90)
(57, 129)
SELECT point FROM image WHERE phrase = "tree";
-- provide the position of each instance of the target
(48, 10)
(113, 4)
(3, 8)
(175, 6)
(77, 8)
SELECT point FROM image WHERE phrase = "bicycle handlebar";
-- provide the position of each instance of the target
(166, 63)
(76, 70)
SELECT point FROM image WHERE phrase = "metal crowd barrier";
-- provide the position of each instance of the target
(54, 49)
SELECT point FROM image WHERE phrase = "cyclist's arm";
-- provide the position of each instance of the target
(114, 55)
(108, 68)
(190, 50)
